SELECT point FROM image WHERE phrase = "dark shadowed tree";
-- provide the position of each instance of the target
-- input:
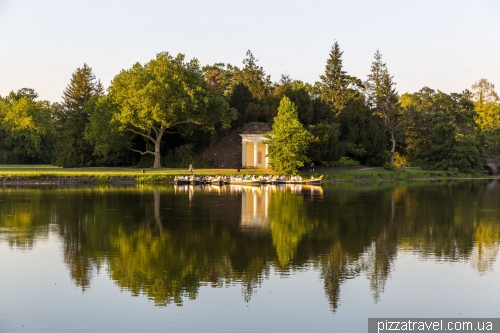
(361, 134)
(253, 76)
(72, 149)
(239, 100)
(324, 146)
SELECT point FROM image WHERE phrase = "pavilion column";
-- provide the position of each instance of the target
(254, 204)
(266, 203)
(243, 154)
(243, 204)
(267, 157)
(255, 154)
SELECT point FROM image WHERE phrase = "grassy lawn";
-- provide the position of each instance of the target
(332, 174)
(25, 169)
(382, 174)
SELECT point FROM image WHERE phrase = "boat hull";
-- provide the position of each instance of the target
(242, 182)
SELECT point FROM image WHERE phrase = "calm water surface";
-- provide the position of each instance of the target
(246, 259)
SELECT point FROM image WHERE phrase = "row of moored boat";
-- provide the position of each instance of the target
(245, 180)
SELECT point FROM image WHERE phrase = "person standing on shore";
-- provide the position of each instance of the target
(191, 168)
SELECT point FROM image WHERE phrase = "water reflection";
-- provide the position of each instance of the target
(166, 242)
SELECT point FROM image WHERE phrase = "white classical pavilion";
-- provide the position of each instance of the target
(254, 151)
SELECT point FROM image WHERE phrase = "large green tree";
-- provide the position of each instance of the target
(165, 95)
(487, 106)
(288, 141)
(73, 150)
(383, 99)
(26, 127)
(442, 133)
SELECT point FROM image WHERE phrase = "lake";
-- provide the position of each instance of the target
(246, 259)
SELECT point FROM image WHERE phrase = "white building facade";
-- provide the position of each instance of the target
(254, 150)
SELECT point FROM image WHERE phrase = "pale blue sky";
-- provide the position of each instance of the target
(443, 44)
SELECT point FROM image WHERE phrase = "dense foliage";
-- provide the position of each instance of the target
(166, 94)
(26, 131)
(169, 111)
(288, 140)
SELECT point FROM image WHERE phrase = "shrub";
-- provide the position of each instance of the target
(400, 160)
(389, 166)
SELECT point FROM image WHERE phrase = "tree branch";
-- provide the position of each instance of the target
(142, 152)
(185, 122)
(147, 136)
(155, 130)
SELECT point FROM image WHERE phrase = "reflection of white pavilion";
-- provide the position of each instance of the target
(254, 208)
(254, 200)
(254, 151)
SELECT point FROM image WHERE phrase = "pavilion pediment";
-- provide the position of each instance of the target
(253, 138)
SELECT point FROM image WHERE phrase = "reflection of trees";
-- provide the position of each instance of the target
(485, 249)
(438, 221)
(167, 264)
(487, 230)
(252, 276)
(164, 245)
(362, 228)
(377, 260)
(155, 265)
(289, 222)
(23, 217)
(336, 266)
(80, 214)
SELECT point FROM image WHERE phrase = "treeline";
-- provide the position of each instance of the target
(170, 110)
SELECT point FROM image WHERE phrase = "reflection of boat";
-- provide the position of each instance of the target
(285, 181)
(243, 182)
(310, 181)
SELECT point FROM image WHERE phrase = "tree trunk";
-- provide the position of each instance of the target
(156, 195)
(393, 148)
(157, 143)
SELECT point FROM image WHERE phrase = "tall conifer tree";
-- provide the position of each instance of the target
(337, 85)
(72, 148)
(382, 97)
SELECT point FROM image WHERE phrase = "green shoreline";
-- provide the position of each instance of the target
(45, 174)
